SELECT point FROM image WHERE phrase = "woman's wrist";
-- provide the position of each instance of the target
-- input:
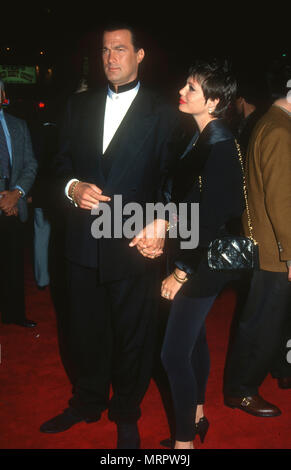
(180, 277)
(180, 274)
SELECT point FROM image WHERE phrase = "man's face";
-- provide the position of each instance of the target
(120, 60)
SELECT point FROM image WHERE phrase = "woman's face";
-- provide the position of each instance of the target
(192, 100)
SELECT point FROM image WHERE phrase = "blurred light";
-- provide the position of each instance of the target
(5, 102)
(8, 49)
(41, 52)
(284, 55)
(41, 105)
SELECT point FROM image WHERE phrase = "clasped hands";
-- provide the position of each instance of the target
(149, 242)
(8, 202)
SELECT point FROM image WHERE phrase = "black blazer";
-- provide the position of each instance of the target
(214, 158)
(135, 165)
(24, 164)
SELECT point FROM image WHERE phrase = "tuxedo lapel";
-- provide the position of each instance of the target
(93, 123)
(89, 140)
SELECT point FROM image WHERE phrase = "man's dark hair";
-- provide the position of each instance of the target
(135, 33)
(253, 87)
(279, 74)
(217, 81)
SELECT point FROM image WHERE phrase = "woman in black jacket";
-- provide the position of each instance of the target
(208, 173)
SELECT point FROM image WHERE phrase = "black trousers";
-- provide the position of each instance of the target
(110, 335)
(12, 300)
(259, 343)
(185, 357)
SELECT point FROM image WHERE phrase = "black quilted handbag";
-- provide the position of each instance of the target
(234, 252)
(229, 253)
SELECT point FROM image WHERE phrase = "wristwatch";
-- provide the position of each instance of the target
(20, 193)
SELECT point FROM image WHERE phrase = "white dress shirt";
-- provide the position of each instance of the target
(117, 105)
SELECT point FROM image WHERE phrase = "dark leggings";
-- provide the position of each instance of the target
(185, 357)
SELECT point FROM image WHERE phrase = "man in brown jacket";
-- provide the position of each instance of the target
(259, 345)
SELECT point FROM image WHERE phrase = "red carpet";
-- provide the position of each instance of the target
(34, 388)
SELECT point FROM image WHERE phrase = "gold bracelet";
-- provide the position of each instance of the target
(179, 279)
(73, 191)
(169, 226)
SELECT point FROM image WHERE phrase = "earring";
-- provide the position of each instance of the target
(210, 110)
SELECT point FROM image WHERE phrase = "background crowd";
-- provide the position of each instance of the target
(260, 337)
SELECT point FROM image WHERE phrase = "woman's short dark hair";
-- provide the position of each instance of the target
(217, 82)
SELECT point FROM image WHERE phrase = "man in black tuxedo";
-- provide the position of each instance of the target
(17, 173)
(115, 142)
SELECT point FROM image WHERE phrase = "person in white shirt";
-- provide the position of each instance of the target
(119, 141)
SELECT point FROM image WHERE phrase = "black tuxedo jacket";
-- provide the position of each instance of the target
(135, 165)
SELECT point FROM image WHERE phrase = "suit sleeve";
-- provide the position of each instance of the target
(62, 168)
(276, 174)
(29, 169)
(63, 163)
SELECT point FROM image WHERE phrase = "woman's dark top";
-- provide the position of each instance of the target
(214, 159)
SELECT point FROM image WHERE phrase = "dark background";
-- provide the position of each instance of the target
(174, 35)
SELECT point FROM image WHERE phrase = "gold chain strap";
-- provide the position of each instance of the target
(250, 227)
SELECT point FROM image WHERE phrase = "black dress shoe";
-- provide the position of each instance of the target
(26, 323)
(168, 443)
(128, 436)
(64, 421)
(200, 428)
(284, 382)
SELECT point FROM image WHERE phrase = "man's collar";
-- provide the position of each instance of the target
(283, 109)
(123, 88)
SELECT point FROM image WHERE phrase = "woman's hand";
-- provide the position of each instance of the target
(170, 286)
(151, 240)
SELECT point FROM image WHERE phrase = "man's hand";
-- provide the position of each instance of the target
(9, 200)
(151, 240)
(12, 212)
(87, 195)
